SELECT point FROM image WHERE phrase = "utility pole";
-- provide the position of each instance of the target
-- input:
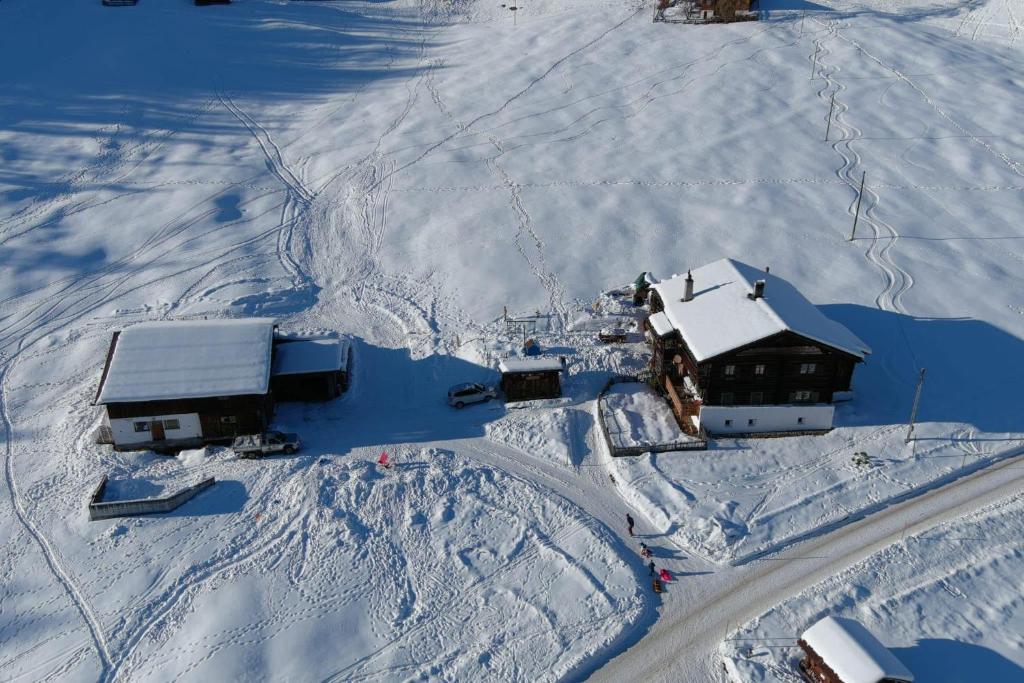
(917, 402)
(856, 216)
(831, 108)
(802, 15)
(814, 63)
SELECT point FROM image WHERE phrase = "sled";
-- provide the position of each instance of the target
(656, 585)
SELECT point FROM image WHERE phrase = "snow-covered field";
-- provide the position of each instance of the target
(401, 171)
(947, 602)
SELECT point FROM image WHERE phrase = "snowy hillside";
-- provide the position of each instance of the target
(401, 171)
(921, 597)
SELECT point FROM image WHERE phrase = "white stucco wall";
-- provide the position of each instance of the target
(767, 419)
(124, 432)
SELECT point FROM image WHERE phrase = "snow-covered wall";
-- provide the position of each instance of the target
(124, 432)
(754, 419)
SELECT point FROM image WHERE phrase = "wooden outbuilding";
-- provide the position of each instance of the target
(528, 379)
(310, 369)
(838, 650)
(740, 351)
(179, 384)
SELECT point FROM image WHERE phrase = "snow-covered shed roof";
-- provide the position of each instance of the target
(660, 324)
(536, 364)
(853, 653)
(721, 317)
(157, 361)
(310, 355)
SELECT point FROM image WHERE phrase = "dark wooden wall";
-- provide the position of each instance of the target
(528, 386)
(782, 356)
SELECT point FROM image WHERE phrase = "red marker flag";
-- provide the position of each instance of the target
(383, 460)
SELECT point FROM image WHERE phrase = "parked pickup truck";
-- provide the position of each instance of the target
(258, 445)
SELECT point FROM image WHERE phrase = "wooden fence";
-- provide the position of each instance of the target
(98, 509)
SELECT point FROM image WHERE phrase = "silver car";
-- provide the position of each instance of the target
(462, 395)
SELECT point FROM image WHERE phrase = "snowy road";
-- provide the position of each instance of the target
(682, 646)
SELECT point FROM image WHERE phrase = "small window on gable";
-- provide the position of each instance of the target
(730, 370)
(141, 426)
(808, 368)
(228, 419)
(728, 423)
(759, 370)
(751, 422)
(799, 420)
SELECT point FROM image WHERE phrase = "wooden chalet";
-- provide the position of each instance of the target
(179, 384)
(740, 351)
(724, 10)
(527, 379)
(310, 369)
(840, 650)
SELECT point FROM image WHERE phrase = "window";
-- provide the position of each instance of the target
(799, 420)
(808, 368)
(728, 423)
(756, 398)
(751, 422)
(803, 396)
(727, 398)
(759, 370)
(141, 426)
(730, 370)
(228, 420)
(172, 424)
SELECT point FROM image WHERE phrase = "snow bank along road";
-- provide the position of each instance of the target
(400, 171)
(682, 644)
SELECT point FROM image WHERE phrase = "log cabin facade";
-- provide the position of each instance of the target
(737, 350)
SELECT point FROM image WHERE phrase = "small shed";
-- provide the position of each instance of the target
(527, 379)
(838, 650)
(310, 369)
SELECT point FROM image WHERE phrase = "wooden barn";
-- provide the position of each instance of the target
(724, 10)
(528, 379)
(310, 369)
(738, 350)
(843, 651)
(180, 384)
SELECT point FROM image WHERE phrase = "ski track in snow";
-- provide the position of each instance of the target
(884, 237)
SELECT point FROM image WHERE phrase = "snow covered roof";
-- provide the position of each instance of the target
(536, 364)
(721, 317)
(158, 361)
(853, 653)
(660, 324)
(310, 355)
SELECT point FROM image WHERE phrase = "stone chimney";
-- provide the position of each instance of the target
(688, 296)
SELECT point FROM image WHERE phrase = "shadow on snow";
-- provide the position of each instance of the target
(972, 375)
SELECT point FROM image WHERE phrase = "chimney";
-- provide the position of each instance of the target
(758, 292)
(688, 296)
(767, 269)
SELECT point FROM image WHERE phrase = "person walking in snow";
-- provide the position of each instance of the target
(644, 550)
(651, 567)
(630, 523)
